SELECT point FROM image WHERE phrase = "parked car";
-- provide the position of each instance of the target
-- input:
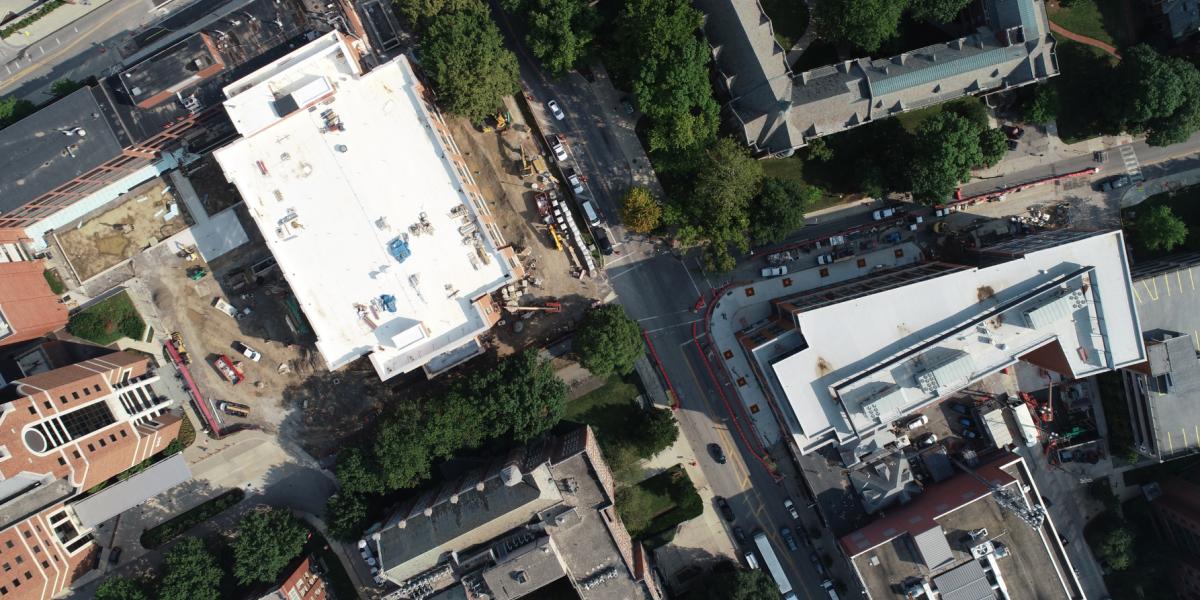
(927, 441)
(774, 271)
(789, 539)
(917, 422)
(965, 422)
(751, 559)
(970, 434)
(1013, 132)
(559, 146)
(1100, 156)
(574, 179)
(739, 535)
(837, 240)
(602, 242)
(627, 104)
(114, 555)
(1115, 183)
(723, 506)
(248, 352)
(555, 110)
(790, 506)
(824, 259)
(1013, 144)
(717, 453)
(961, 409)
(892, 237)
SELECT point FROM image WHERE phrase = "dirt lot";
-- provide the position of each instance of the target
(495, 162)
(120, 230)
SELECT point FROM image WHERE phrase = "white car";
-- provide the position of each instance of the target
(575, 181)
(249, 352)
(559, 147)
(882, 214)
(774, 271)
(824, 259)
(555, 110)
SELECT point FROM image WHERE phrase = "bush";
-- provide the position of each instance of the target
(108, 321)
(659, 504)
(36, 16)
(164, 532)
(187, 433)
(56, 283)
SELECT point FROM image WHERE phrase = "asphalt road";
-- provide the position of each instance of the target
(84, 48)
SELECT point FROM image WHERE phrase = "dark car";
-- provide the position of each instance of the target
(114, 555)
(789, 539)
(959, 408)
(739, 535)
(717, 453)
(970, 434)
(627, 105)
(723, 506)
(602, 241)
(966, 422)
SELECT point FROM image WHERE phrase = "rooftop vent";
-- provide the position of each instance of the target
(511, 475)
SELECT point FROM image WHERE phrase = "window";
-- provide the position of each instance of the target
(75, 453)
(3, 590)
(96, 387)
(62, 399)
(48, 405)
(124, 433)
(113, 437)
(45, 564)
(91, 447)
(28, 575)
(7, 567)
(33, 410)
(103, 443)
(8, 544)
(62, 462)
(28, 534)
(75, 395)
(87, 392)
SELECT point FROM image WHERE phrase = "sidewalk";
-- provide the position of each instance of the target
(57, 19)
(1146, 189)
(624, 131)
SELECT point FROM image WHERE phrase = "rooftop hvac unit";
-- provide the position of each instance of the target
(511, 475)
(399, 249)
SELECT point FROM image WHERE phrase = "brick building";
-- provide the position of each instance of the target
(63, 431)
(304, 583)
(28, 308)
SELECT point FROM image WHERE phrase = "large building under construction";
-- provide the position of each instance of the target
(366, 203)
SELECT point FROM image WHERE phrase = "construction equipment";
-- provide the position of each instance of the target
(552, 307)
(179, 348)
(558, 241)
(1033, 516)
(196, 273)
(188, 253)
(496, 122)
(228, 370)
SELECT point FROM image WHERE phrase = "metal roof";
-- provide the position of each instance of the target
(947, 70)
(965, 582)
(114, 500)
(934, 548)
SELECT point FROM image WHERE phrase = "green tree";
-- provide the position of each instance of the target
(937, 11)
(656, 431)
(416, 11)
(64, 87)
(719, 206)
(356, 473)
(636, 507)
(13, 110)
(117, 587)
(608, 341)
(1044, 105)
(267, 540)
(665, 63)
(819, 150)
(523, 397)
(465, 58)
(946, 149)
(742, 584)
(779, 209)
(191, 572)
(641, 211)
(1159, 94)
(560, 33)
(400, 448)
(1158, 228)
(864, 23)
(1117, 548)
(993, 144)
(346, 514)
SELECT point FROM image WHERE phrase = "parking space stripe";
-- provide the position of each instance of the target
(1179, 280)
(1167, 282)
(1136, 296)
(1153, 295)
(1192, 279)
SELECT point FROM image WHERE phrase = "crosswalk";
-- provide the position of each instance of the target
(1132, 167)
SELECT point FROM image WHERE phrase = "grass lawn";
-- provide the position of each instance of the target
(608, 409)
(1104, 20)
(56, 283)
(789, 19)
(1185, 203)
(659, 504)
(108, 321)
(792, 169)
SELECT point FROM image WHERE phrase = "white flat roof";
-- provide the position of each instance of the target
(865, 346)
(333, 185)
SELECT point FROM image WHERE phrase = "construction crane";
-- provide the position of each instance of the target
(1033, 516)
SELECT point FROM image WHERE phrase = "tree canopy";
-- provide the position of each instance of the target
(864, 23)
(1157, 228)
(717, 212)
(346, 514)
(465, 58)
(1117, 548)
(640, 211)
(1044, 105)
(64, 86)
(13, 110)
(117, 587)
(267, 541)
(560, 33)
(1158, 94)
(993, 144)
(946, 147)
(742, 584)
(608, 341)
(937, 11)
(416, 11)
(519, 398)
(778, 209)
(665, 64)
(191, 572)
(655, 432)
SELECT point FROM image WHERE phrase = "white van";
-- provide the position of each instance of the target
(590, 213)
(751, 559)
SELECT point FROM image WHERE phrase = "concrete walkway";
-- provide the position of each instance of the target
(1083, 39)
(57, 19)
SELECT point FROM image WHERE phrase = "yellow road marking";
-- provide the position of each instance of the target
(1167, 282)
(768, 526)
(1179, 280)
(1192, 279)
(49, 56)
(1183, 432)
(1153, 294)
(1170, 443)
(1136, 296)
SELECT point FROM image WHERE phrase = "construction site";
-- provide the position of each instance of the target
(143, 217)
